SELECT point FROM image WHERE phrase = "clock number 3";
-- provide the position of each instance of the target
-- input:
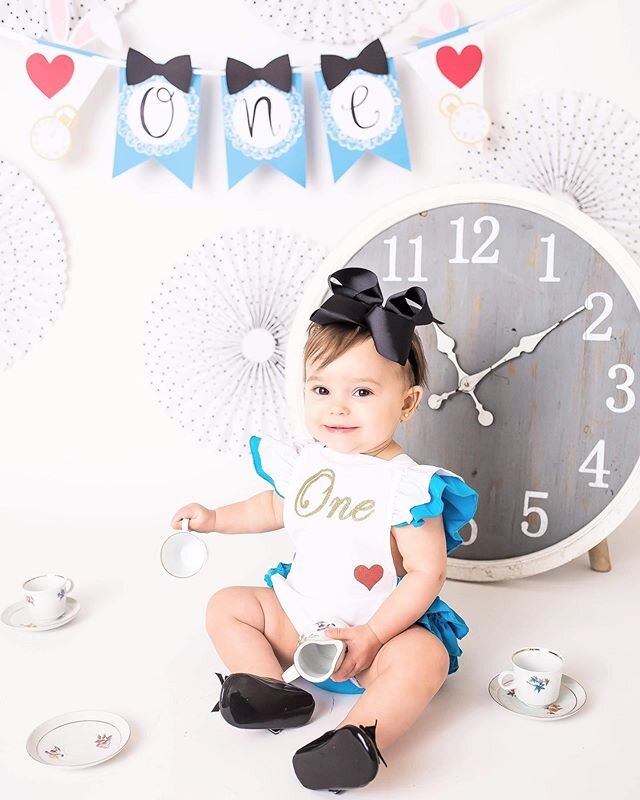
(477, 257)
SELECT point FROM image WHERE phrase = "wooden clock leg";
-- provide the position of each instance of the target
(599, 557)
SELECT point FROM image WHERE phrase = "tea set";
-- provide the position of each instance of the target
(534, 687)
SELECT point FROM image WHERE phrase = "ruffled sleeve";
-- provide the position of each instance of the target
(273, 461)
(425, 491)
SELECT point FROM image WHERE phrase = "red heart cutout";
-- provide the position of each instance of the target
(50, 77)
(368, 576)
(459, 68)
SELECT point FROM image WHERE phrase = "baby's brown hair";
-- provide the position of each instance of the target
(326, 342)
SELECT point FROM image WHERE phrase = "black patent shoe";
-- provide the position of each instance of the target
(345, 758)
(249, 701)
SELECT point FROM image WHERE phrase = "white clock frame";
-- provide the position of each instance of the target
(602, 525)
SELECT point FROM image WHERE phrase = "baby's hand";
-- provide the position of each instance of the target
(201, 519)
(362, 646)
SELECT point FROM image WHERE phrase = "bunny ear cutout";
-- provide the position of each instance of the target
(449, 16)
(58, 16)
(99, 23)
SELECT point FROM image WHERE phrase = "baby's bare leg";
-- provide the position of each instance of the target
(404, 676)
(250, 630)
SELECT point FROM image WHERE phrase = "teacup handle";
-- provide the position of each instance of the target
(68, 585)
(290, 674)
(503, 675)
(184, 525)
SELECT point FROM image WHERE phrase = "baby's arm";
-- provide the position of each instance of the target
(424, 554)
(262, 512)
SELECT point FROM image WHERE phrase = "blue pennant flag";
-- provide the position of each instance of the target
(157, 120)
(264, 125)
(363, 114)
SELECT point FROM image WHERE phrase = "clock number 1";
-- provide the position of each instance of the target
(527, 509)
(477, 257)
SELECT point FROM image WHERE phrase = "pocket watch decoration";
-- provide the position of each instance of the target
(532, 390)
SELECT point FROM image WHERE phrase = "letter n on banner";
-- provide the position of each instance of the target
(363, 114)
(157, 120)
(264, 125)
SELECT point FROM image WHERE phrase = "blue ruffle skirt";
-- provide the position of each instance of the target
(439, 618)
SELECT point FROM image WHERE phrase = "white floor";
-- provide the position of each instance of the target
(138, 649)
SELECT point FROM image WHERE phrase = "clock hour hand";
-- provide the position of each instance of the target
(527, 344)
(445, 344)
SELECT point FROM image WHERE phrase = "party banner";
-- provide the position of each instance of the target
(158, 115)
(453, 72)
(263, 113)
(362, 108)
(61, 80)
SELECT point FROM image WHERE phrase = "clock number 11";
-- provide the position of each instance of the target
(392, 275)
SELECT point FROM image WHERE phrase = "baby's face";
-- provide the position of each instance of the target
(354, 404)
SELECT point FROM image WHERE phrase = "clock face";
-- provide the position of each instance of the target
(546, 426)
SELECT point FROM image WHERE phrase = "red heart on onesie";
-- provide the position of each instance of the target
(49, 77)
(368, 576)
(459, 68)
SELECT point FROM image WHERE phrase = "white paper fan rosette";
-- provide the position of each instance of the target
(32, 264)
(30, 16)
(216, 339)
(581, 148)
(335, 21)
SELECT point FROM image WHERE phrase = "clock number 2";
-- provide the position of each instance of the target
(477, 257)
(527, 509)
(589, 335)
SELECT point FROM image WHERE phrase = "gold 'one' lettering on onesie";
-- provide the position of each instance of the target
(316, 496)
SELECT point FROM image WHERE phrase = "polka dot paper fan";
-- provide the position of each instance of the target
(32, 264)
(216, 338)
(30, 16)
(335, 21)
(581, 148)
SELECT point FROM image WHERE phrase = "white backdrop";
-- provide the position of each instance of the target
(91, 468)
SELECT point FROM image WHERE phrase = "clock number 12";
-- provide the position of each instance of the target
(477, 257)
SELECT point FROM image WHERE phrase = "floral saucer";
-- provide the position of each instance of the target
(78, 739)
(17, 616)
(571, 699)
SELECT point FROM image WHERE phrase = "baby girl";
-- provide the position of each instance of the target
(371, 529)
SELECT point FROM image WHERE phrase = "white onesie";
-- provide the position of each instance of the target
(338, 510)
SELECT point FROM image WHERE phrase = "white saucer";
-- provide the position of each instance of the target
(183, 554)
(17, 616)
(571, 699)
(78, 739)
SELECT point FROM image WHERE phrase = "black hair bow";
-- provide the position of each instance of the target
(357, 300)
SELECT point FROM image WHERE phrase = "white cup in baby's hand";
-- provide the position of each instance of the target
(46, 596)
(317, 656)
(183, 554)
(536, 676)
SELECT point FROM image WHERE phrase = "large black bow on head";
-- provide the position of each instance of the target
(357, 299)
(177, 71)
(240, 75)
(372, 59)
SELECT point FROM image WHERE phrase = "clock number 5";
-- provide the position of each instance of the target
(477, 257)
(527, 509)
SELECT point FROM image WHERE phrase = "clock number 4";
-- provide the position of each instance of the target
(527, 509)
(599, 471)
(477, 257)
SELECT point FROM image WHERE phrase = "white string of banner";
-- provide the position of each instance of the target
(118, 62)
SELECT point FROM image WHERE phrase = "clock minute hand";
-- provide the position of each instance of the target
(527, 344)
(445, 344)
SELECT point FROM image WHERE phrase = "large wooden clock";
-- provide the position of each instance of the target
(532, 378)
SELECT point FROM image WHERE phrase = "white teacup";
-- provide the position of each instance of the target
(537, 675)
(46, 596)
(317, 656)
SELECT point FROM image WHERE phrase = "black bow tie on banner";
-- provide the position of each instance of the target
(357, 299)
(372, 59)
(177, 71)
(240, 75)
